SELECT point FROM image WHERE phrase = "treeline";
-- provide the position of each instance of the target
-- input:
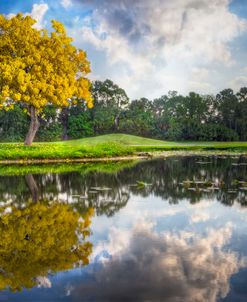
(172, 116)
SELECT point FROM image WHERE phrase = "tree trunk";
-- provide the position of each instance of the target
(116, 122)
(65, 120)
(32, 187)
(34, 126)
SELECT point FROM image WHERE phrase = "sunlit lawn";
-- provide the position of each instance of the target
(132, 140)
(105, 146)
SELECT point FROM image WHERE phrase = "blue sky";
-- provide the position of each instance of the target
(151, 47)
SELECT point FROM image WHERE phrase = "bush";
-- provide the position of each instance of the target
(49, 132)
(14, 124)
(79, 126)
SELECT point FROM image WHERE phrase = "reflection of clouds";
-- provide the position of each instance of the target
(43, 281)
(147, 266)
(199, 217)
(203, 204)
(240, 212)
(153, 214)
(167, 212)
(68, 290)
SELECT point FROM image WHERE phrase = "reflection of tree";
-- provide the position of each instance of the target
(41, 239)
(164, 176)
(32, 186)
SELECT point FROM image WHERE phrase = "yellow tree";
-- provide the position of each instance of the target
(38, 68)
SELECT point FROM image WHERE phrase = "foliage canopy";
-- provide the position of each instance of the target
(39, 68)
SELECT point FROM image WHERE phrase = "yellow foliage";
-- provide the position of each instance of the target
(41, 239)
(39, 68)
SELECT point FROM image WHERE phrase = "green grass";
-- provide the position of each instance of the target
(82, 168)
(61, 151)
(125, 139)
(139, 142)
(112, 145)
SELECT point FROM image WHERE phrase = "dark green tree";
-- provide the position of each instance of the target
(139, 118)
(109, 103)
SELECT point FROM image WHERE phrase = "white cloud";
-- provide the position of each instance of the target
(156, 44)
(11, 15)
(66, 3)
(200, 74)
(38, 13)
(238, 82)
(200, 87)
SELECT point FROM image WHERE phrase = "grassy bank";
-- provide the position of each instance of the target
(106, 146)
(82, 168)
(62, 151)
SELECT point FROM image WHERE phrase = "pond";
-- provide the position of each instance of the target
(159, 230)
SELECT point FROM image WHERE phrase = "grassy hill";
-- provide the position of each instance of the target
(138, 141)
(105, 146)
(125, 139)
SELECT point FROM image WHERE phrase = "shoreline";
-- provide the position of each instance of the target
(140, 156)
(71, 160)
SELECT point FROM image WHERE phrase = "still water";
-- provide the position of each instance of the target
(158, 230)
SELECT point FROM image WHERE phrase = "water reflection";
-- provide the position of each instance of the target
(165, 177)
(181, 236)
(143, 265)
(40, 239)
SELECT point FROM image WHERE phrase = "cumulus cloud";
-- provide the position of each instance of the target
(238, 82)
(144, 265)
(38, 13)
(189, 24)
(66, 3)
(199, 80)
(200, 87)
(149, 37)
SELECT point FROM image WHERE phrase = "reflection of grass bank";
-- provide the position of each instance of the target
(107, 146)
(104, 167)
